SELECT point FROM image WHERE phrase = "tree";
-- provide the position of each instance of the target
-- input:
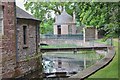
(98, 14)
(44, 10)
(101, 14)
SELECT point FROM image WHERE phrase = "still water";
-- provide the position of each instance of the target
(68, 61)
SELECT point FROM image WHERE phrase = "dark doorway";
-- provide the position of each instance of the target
(59, 29)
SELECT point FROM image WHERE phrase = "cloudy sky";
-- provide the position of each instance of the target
(20, 3)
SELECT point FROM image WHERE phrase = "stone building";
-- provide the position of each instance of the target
(65, 24)
(90, 33)
(19, 37)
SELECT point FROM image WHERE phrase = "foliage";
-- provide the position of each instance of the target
(102, 15)
(45, 10)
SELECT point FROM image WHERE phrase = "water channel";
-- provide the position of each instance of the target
(68, 62)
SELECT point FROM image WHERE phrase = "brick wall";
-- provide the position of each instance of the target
(30, 49)
(9, 40)
(13, 54)
(1, 41)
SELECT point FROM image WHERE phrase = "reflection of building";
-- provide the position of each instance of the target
(68, 66)
(65, 24)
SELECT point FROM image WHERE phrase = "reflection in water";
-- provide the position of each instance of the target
(59, 64)
(74, 63)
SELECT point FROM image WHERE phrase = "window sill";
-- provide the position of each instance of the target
(25, 46)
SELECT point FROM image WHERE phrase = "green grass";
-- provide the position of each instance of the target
(108, 41)
(111, 70)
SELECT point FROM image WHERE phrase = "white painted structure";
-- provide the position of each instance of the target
(65, 24)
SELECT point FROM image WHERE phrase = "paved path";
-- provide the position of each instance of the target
(72, 49)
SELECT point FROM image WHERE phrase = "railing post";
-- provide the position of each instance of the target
(75, 51)
(84, 62)
(111, 41)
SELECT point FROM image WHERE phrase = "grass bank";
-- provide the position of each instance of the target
(111, 70)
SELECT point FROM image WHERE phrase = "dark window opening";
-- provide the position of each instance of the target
(59, 29)
(24, 34)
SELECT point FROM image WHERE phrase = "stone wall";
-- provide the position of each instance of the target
(55, 29)
(9, 40)
(78, 43)
(90, 33)
(61, 41)
(65, 29)
(74, 30)
(1, 15)
(13, 57)
(28, 50)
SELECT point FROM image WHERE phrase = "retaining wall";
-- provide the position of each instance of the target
(97, 66)
(78, 43)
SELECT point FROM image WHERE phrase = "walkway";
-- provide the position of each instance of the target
(71, 49)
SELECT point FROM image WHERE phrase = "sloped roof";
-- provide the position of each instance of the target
(64, 18)
(20, 13)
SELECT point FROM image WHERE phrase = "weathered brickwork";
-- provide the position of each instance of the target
(14, 53)
(8, 40)
(30, 49)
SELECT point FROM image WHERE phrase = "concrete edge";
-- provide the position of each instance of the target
(97, 66)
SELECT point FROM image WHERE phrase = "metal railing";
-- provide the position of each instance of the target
(101, 42)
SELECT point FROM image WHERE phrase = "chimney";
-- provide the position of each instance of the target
(56, 15)
(74, 16)
(9, 42)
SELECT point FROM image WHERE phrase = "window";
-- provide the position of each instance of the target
(1, 20)
(59, 29)
(24, 35)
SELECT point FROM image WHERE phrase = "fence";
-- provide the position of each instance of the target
(101, 42)
(73, 40)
